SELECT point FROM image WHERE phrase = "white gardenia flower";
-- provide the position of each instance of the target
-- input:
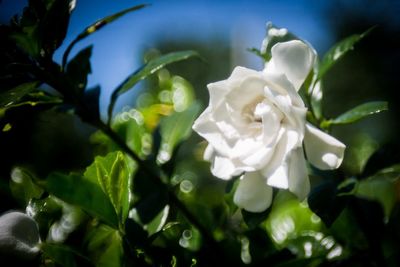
(255, 125)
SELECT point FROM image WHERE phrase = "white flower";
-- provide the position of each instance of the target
(256, 124)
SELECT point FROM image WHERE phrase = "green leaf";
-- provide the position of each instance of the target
(289, 219)
(33, 99)
(379, 190)
(112, 174)
(52, 28)
(22, 186)
(338, 51)
(97, 26)
(104, 245)
(42, 27)
(149, 68)
(175, 129)
(391, 173)
(360, 112)
(381, 187)
(13, 96)
(157, 224)
(359, 149)
(77, 190)
(79, 68)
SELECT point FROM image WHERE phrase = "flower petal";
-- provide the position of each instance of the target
(299, 184)
(222, 167)
(252, 193)
(217, 92)
(294, 59)
(323, 151)
(206, 127)
(279, 178)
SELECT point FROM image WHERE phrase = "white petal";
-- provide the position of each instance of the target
(250, 89)
(299, 183)
(223, 167)
(279, 178)
(277, 170)
(206, 127)
(294, 59)
(279, 83)
(258, 158)
(270, 170)
(252, 193)
(239, 73)
(323, 151)
(217, 92)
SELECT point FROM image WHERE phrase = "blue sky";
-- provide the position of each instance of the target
(117, 47)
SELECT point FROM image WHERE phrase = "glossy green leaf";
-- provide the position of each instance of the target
(97, 26)
(104, 245)
(157, 224)
(79, 68)
(381, 187)
(11, 97)
(360, 112)
(391, 173)
(379, 190)
(359, 149)
(112, 174)
(80, 191)
(23, 187)
(289, 219)
(33, 99)
(149, 68)
(175, 129)
(338, 51)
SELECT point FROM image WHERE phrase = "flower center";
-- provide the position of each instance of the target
(253, 111)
